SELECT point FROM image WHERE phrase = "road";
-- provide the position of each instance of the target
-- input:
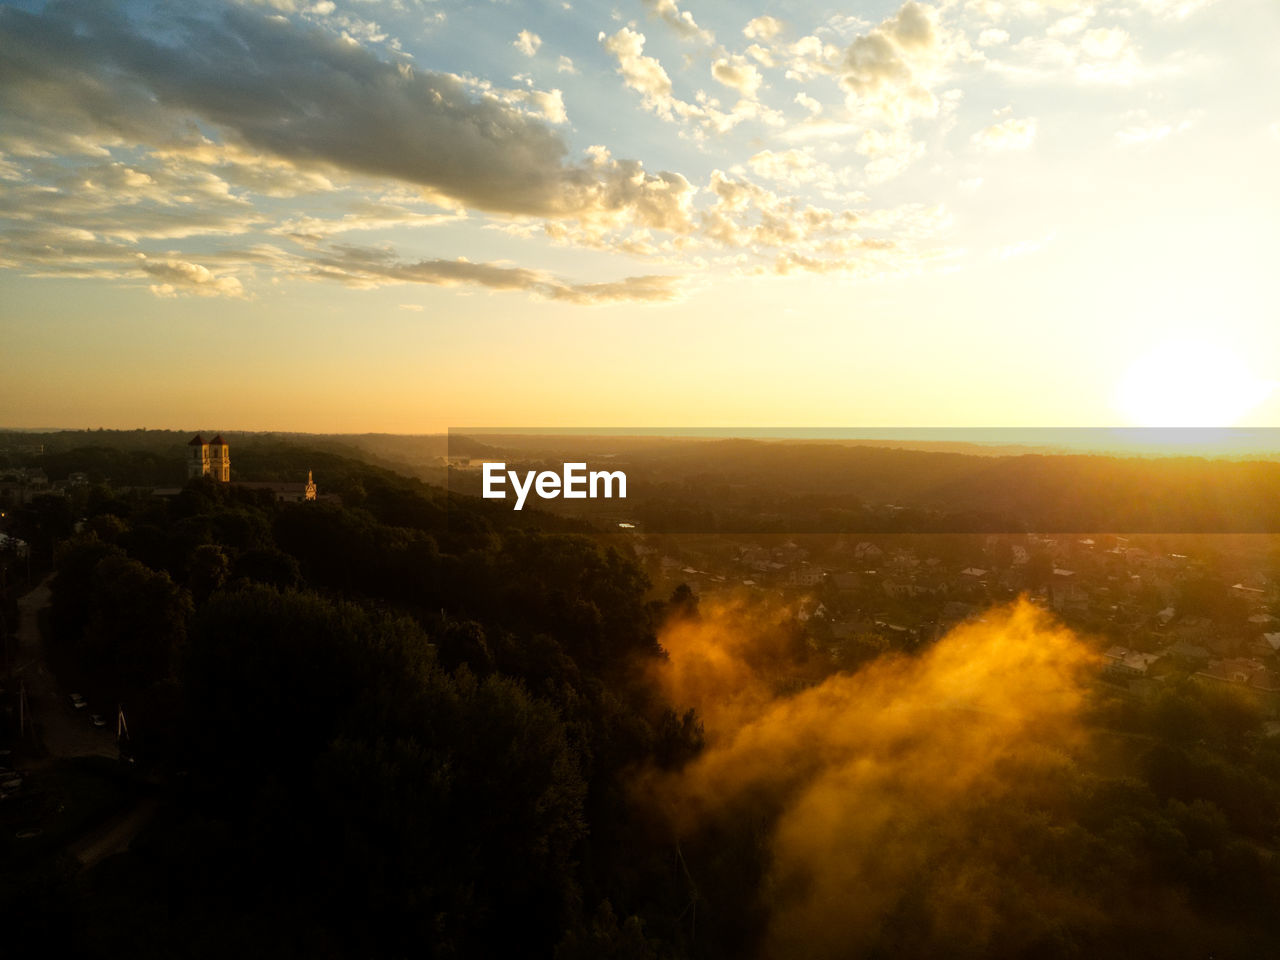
(65, 732)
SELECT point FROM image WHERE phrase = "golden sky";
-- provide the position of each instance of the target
(401, 215)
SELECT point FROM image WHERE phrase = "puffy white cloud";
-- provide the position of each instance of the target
(1108, 55)
(643, 74)
(1015, 133)
(681, 21)
(646, 75)
(891, 69)
(993, 37)
(180, 276)
(736, 73)
(1071, 25)
(809, 103)
(793, 167)
(889, 153)
(565, 65)
(527, 43)
(810, 56)
(1103, 55)
(1104, 43)
(762, 28)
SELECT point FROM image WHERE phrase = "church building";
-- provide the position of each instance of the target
(213, 459)
(209, 459)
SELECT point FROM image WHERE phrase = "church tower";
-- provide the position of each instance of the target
(310, 493)
(209, 459)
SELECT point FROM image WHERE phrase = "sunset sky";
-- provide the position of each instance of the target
(401, 215)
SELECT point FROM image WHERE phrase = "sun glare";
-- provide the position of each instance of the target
(1189, 383)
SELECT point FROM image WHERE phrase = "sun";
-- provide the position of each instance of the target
(1189, 382)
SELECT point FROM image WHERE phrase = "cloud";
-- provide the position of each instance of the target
(891, 69)
(762, 28)
(1016, 133)
(681, 21)
(1104, 43)
(126, 201)
(126, 130)
(181, 276)
(1022, 247)
(527, 43)
(367, 267)
(1103, 55)
(646, 75)
(1174, 9)
(736, 73)
(1069, 26)
(1141, 134)
(810, 238)
(888, 153)
(641, 73)
(793, 167)
(809, 103)
(810, 56)
(363, 214)
(993, 37)
(284, 91)
(565, 65)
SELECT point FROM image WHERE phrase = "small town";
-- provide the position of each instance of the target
(1156, 613)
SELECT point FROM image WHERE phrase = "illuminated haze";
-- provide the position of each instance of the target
(886, 784)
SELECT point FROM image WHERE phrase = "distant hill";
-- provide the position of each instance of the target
(708, 484)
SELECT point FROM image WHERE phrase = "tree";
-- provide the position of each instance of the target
(137, 624)
(209, 570)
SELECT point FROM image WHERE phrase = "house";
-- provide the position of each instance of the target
(846, 582)
(1267, 644)
(805, 576)
(1254, 596)
(1248, 674)
(1188, 653)
(289, 492)
(867, 551)
(1064, 589)
(1127, 664)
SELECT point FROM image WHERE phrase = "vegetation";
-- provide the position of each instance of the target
(410, 724)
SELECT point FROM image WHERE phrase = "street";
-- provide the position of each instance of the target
(65, 732)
